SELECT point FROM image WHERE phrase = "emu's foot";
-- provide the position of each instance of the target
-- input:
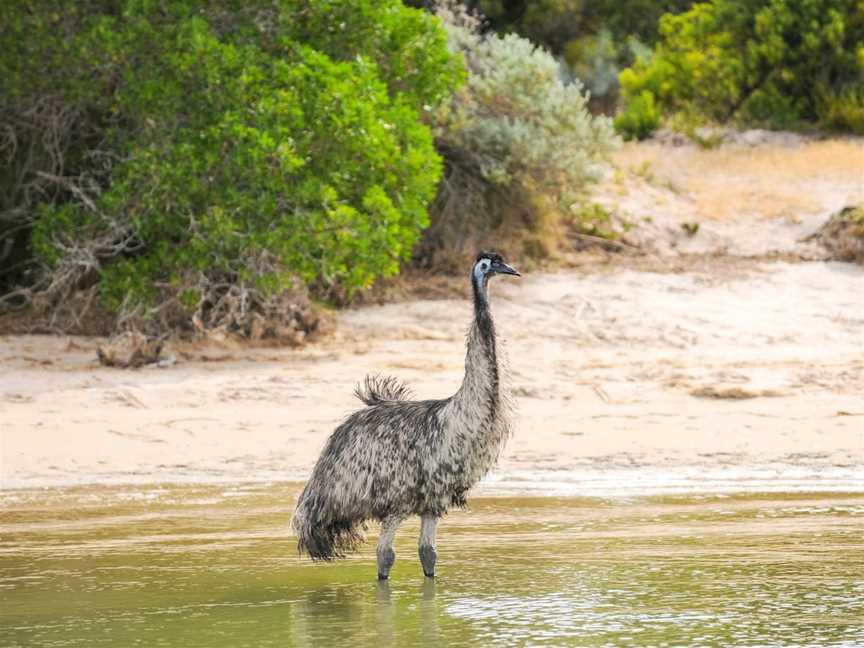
(427, 559)
(386, 558)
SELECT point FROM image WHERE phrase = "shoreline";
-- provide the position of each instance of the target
(692, 480)
(720, 358)
(658, 381)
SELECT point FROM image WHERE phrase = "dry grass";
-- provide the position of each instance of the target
(768, 181)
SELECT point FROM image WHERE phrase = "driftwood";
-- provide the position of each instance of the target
(582, 241)
(130, 350)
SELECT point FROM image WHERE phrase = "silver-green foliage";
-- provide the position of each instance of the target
(516, 125)
(517, 116)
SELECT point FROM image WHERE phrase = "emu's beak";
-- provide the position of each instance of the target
(503, 268)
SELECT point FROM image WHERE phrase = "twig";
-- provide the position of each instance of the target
(602, 242)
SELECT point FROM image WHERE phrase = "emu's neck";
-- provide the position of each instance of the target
(478, 398)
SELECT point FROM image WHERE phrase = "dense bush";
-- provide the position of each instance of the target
(517, 140)
(593, 59)
(554, 24)
(201, 151)
(772, 63)
(596, 38)
(842, 109)
(641, 118)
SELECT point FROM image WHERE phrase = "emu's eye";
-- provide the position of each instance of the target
(485, 265)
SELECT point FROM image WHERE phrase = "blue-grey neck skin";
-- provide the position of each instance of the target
(479, 391)
(479, 282)
(482, 314)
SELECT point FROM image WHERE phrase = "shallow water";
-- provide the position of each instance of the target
(214, 566)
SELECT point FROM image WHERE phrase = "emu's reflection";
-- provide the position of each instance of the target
(385, 614)
(429, 613)
(407, 616)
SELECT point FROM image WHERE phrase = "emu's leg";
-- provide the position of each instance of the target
(386, 555)
(428, 527)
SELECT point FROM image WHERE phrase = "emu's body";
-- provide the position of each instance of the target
(398, 457)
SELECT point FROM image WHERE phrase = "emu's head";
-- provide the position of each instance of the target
(489, 264)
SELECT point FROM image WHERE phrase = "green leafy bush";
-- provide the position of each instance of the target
(763, 63)
(842, 109)
(554, 24)
(640, 118)
(595, 38)
(594, 60)
(517, 139)
(237, 148)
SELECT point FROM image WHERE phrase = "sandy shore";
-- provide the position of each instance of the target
(689, 378)
(727, 374)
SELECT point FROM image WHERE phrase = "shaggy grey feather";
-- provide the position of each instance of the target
(380, 389)
(398, 457)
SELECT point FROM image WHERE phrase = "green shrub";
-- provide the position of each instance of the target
(595, 39)
(594, 60)
(640, 118)
(759, 63)
(554, 24)
(241, 147)
(842, 110)
(517, 141)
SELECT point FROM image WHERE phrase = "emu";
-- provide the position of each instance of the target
(398, 457)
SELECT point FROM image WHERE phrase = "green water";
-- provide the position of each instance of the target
(214, 566)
